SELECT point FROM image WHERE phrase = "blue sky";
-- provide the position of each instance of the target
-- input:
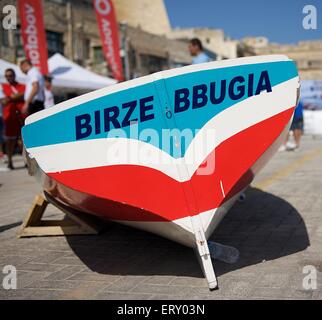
(279, 20)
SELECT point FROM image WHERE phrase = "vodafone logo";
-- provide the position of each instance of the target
(33, 33)
(32, 45)
(108, 28)
(103, 7)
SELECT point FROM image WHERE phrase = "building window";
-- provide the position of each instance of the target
(315, 64)
(151, 64)
(55, 42)
(86, 49)
(5, 38)
(98, 55)
(18, 43)
(59, 1)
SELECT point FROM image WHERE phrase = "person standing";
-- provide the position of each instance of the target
(49, 97)
(35, 88)
(197, 52)
(297, 125)
(12, 102)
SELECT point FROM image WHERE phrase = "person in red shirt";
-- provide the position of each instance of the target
(12, 103)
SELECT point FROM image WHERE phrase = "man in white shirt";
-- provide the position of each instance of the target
(35, 88)
(49, 97)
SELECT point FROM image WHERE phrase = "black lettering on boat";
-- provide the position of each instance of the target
(199, 96)
(131, 107)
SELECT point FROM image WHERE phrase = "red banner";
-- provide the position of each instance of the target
(33, 33)
(108, 28)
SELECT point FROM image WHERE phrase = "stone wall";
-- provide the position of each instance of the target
(149, 15)
(306, 54)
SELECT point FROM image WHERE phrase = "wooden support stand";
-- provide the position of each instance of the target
(74, 223)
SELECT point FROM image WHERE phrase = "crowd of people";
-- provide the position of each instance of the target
(18, 101)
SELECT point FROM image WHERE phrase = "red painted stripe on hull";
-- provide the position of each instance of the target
(119, 191)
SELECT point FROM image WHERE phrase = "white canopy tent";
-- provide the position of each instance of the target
(6, 65)
(313, 122)
(67, 74)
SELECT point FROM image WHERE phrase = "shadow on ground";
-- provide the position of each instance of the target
(264, 227)
(9, 226)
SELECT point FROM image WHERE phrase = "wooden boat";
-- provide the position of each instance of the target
(169, 152)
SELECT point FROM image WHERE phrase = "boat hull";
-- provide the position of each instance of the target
(164, 151)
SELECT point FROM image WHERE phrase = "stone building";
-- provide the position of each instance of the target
(306, 54)
(71, 29)
(150, 16)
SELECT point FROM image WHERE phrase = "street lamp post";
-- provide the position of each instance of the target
(125, 50)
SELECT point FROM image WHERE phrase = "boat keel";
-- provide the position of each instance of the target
(204, 258)
(203, 254)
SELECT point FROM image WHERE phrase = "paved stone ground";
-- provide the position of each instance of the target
(278, 230)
